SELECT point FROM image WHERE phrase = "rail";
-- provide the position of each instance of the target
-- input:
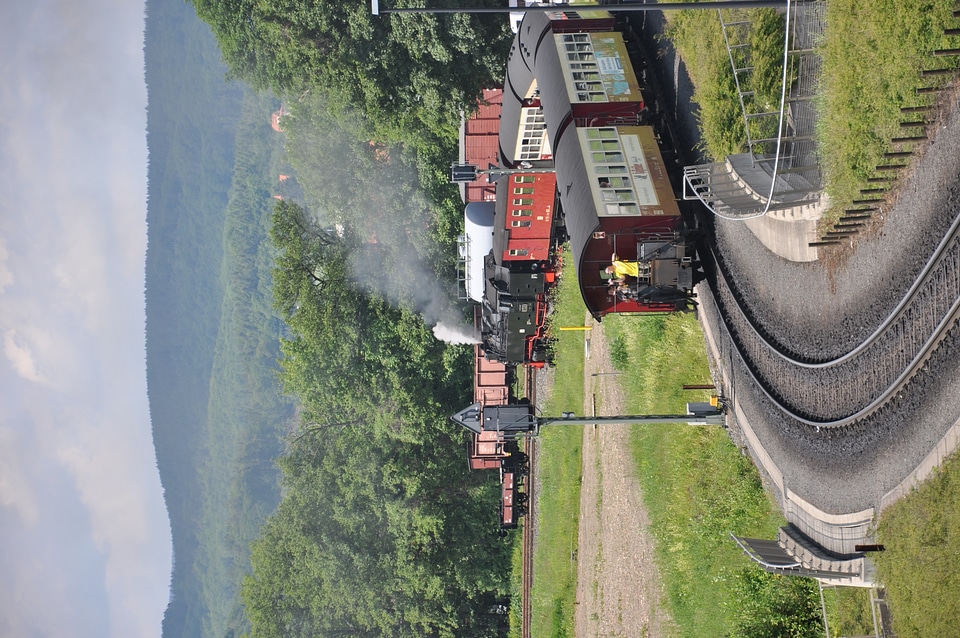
(530, 448)
(872, 372)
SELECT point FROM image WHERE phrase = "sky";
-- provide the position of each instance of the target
(85, 545)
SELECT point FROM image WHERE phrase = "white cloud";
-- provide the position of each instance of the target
(6, 277)
(84, 533)
(17, 494)
(20, 357)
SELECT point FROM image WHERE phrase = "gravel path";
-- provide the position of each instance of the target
(618, 584)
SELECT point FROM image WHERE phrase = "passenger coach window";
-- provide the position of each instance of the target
(614, 182)
(612, 169)
(602, 133)
(604, 145)
(618, 195)
(605, 157)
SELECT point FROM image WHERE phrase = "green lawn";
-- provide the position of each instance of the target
(873, 56)
(555, 583)
(919, 568)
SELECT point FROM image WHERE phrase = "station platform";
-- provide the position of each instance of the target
(788, 233)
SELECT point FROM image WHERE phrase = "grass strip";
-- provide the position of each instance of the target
(559, 470)
(873, 56)
(921, 534)
(698, 37)
(697, 486)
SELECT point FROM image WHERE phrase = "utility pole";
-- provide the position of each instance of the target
(613, 8)
(462, 173)
(519, 420)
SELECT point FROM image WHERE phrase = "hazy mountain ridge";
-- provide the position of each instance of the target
(211, 335)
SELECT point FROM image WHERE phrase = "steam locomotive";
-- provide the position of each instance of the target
(512, 264)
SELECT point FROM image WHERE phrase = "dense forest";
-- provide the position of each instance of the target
(191, 162)
(328, 295)
(407, 74)
(382, 530)
(247, 415)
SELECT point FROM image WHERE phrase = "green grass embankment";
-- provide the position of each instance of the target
(874, 54)
(921, 534)
(697, 486)
(559, 461)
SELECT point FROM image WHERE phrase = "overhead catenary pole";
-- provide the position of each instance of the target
(716, 418)
(520, 420)
(619, 8)
(463, 173)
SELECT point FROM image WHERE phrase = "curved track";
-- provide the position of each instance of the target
(834, 391)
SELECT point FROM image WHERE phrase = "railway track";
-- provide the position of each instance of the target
(529, 446)
(528, 534)
(836, 389)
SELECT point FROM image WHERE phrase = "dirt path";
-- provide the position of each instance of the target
(618, 585)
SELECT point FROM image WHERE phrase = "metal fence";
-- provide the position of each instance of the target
(780, 169)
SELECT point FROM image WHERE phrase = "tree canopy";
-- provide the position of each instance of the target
(382, 531)
(406, 71)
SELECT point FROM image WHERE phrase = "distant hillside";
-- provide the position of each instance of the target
(247, 415)
(191, 116)
(211, 334)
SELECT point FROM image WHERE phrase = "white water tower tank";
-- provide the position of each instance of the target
(478, 227)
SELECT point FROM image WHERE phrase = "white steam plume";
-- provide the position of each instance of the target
(455, 334)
